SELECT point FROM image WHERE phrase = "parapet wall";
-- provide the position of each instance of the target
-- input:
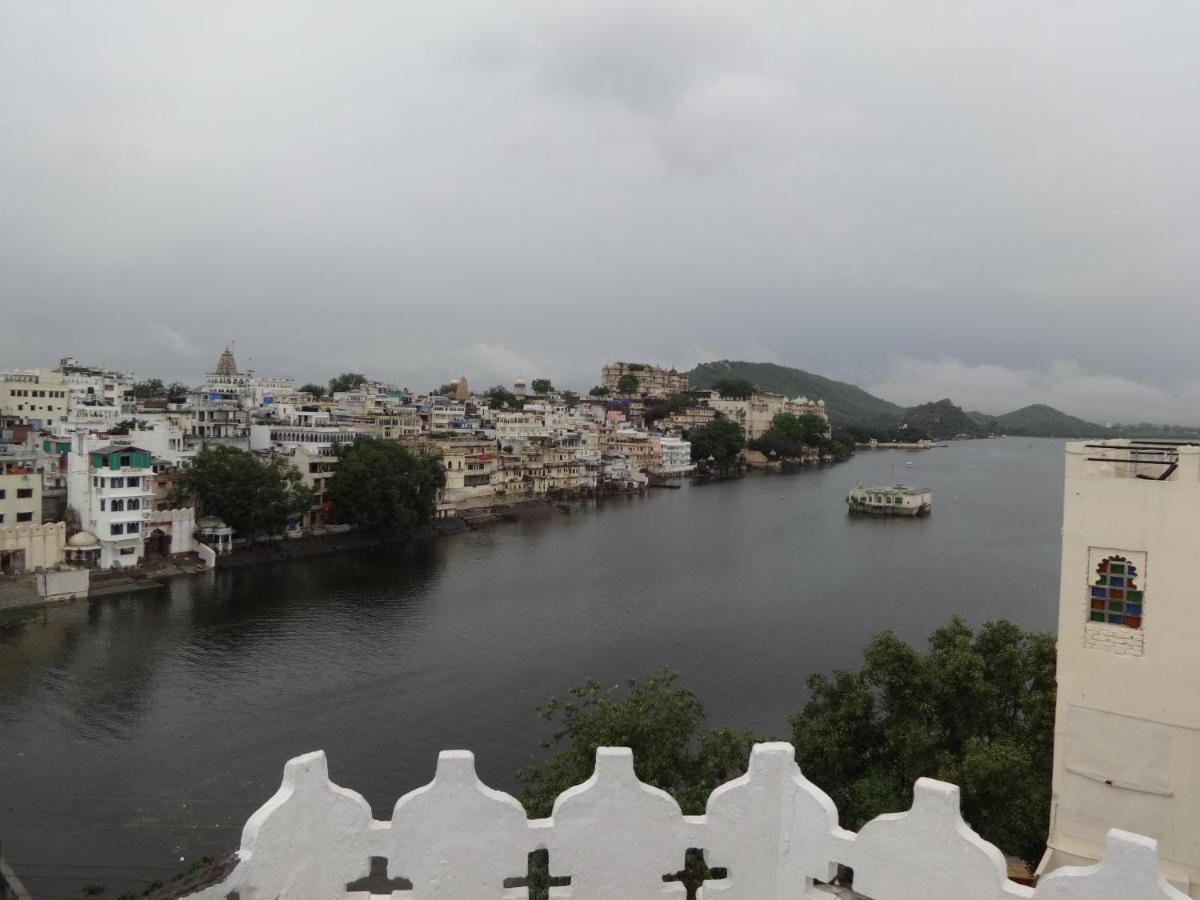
(615, 838)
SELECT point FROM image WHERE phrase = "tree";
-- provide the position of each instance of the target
(253, 496)
(499, 396)
(347, 381)
(316, 391)
(380, 485)
(446, 390)
(177, 389)
(598, 391)
(628, 383)
(733, 387)
(672, 750)
(148, 389)
(661, 409)
(790, 434)
(977, 709)
(541, 386)
(722, 439)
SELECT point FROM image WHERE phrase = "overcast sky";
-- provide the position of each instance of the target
(992, 201)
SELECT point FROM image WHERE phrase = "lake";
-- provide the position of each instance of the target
(139, 732)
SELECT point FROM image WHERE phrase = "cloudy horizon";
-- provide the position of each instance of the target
(990, 201)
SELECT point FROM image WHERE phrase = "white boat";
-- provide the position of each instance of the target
(889, 500)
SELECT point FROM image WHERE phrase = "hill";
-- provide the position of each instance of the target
(942, 419)
(1045, 421)
(846, 404)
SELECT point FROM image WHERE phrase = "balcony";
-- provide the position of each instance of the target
(769, 834)
(1141, 460)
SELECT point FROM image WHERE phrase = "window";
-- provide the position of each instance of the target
(135, 503)
(133, 527)
(133, 482)
(103, 503)
(2, 493)
(24, 493)
(124, 462)
(116, 482)
(118, 505)
(116, 528)
(1115, 598)
(25, 517)
(1, 518)
(128, 551)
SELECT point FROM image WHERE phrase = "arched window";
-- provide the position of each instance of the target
(1115, 597)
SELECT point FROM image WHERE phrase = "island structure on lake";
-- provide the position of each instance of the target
(889, 500)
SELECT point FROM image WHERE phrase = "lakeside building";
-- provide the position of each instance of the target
(756, 412)
(653, 381)
(1127, 723)
(675, 456)
(110, 488)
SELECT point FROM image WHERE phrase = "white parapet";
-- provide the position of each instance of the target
(615, 838)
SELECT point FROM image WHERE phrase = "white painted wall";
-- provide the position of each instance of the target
(457, 839)
(1127, 732)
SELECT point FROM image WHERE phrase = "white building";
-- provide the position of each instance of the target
(676, 456)
(111, 488)
(37, 397)
(1127, 729)
(97, 386)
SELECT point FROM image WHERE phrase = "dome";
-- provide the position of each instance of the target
(83, 540)
(519, 380)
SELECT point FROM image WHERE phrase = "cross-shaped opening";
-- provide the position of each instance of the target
(695, 872)
(537, 877)
(376, 880)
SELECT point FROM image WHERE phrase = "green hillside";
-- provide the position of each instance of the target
(942, 419)
(845, 403)
(1046, 421)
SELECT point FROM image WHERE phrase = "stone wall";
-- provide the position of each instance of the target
(44, 546)
(614, 838)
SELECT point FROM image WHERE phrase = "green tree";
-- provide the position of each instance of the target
(598, 391)
(733, 387)
(628, 383)
(789, 434)
(499, 396)
(127, 425)
(254, 496)
(148, 389)
(317, 391)
(381, 485)
(663, 724)
(661, 409)
(177, 389)
(976, 709)
(541, 386)
(347, 381)
(446, 390)
(721, 439)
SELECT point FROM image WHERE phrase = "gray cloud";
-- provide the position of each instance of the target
(422, 189)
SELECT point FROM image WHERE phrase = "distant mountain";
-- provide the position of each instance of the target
(849, 406)
(846, 404)
(1040, 420)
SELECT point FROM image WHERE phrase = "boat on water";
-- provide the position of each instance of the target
(889, 500)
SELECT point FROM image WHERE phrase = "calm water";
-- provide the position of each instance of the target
(140, 730)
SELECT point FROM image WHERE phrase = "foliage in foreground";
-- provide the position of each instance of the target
(382, 485)
(662, 724)
(977, 710)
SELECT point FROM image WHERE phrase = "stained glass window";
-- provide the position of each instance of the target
(1115, 597)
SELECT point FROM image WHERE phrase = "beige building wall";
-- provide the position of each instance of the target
(28, 548)
(21, 498)
(1127, 728)
(40, 394)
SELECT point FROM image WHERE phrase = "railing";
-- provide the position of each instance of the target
(771, 831)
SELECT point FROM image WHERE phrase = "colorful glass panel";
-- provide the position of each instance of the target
(1115, 597)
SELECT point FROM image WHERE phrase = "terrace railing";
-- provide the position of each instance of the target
(769, 834)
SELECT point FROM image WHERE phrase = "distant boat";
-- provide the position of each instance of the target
(908, 464)
(889, 500)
